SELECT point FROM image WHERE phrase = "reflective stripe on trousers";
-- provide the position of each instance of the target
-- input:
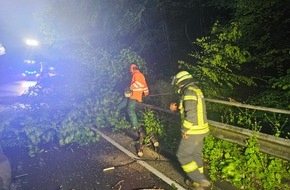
(189, 155)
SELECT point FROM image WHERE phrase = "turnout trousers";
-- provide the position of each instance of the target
(189, 155)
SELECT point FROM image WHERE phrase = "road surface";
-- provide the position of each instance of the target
(11, 90)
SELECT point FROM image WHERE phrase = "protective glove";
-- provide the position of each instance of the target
(128, 93)
(184, 134)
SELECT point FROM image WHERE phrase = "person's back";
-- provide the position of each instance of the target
(195, 110)
(138, 84)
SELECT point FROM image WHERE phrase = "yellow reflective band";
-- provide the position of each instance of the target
(195, 184)
(190, 126)
(200, 108)
(200, 170)
(195, 129)
(200, 126)
(189, 98)
(190, 167)
(187, 124)
(200, 116)
(197, 90)
(180, 105)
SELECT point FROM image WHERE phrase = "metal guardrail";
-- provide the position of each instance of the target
(232, 102)
(268, 144)
(237, 104)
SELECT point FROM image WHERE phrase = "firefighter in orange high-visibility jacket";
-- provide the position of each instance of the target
(194, 129)
(138, 88)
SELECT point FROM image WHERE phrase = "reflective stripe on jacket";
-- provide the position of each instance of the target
(138, 86)
(193, 111)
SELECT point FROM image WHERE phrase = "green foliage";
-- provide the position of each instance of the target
(116, 120)
(34, 129)
(245, 118)
(63, 109)
(264, 26)
(172, 133)
(168, 130)
(255, 120)
(283, 83)
(158, 124)
(29, 129)
(278, 124)
(152, 124)
(245, 167)
(127, 56)
(161, 94)
(104, 72)
(276, 96)
(76, 126)
(218, 63)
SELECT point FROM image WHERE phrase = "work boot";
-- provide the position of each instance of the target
(203, 185)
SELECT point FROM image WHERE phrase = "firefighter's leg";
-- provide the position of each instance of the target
(197, 154)
(132, 113)
(190, 157)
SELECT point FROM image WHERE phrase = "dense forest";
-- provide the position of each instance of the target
(232, 49)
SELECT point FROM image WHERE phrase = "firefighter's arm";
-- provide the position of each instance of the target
(184, 134)
(128, 92)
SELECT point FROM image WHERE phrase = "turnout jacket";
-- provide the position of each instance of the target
(193, 111)
(138, 86)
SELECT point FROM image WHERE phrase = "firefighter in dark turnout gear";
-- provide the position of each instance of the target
(194, 129)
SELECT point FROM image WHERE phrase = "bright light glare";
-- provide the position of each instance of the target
(29, 61)
(24, 86)
(2, 49)
(31, 42)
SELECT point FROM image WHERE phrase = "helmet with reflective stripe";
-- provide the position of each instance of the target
(181, 76)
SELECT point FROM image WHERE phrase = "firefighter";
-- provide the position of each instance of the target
(194, 128)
